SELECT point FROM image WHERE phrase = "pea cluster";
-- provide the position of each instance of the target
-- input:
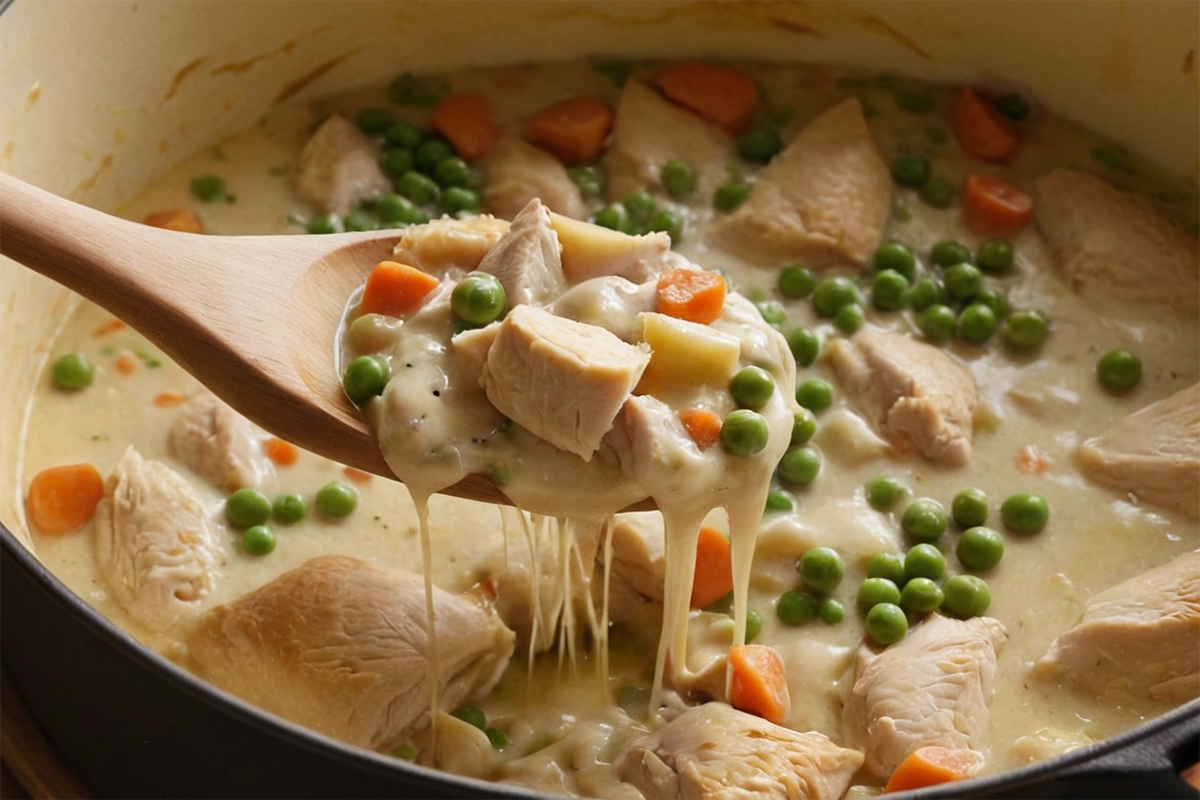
(639, 213)
(473, 715)
(725, 606)
(821, 571)
(250, 510)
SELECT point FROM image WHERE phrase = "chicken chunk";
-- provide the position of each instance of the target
(216, 442)
(339, 168)
(1139, 636)
(154, 547)
(518, 172)
(823, 200)
(1112, 243)
(449, 243)
(636, 571)
(562, 380)
(527, 260)
(716, 751)
(932, 687)
(340, 646)
(911, 392)
(1154, 453)
(649, 131)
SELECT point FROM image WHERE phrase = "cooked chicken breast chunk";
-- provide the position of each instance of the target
(823, 200)
(527, 259)
(216, 442)
(932, 687)
(154, 547)
(447, 243)
(715, 751)
(518, 172)
(339, 168)
(340, 646)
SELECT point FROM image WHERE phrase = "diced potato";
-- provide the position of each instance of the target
(684, 353)
(590, 251)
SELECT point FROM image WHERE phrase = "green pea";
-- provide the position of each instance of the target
(288, 509)
(887, 566)
(395, 161)
(804, 426)
(471, 715)
(337, 500)
(417, 187)
(457, 200)
(920, 596)
(821, 569)
(994, 256)
(365, 377)
(72, 372)
(497, 737)
(915, 102)
(406, 752)
(966, 596)
(729, 196)
(924, 561)
(796, 281)
(1026, 329)
(980, 548)
(874, 591)
(849, 319)
(613, 217)
(977, 323)
(799, 466)
(886, 624)
(359, 221)
(678, 178)
(937, 193)
(994, 300)
(211, 189)
(478, 298)
(1012, 106)
(927, 292)
(372, 121)
(403, 134)
(911, 171)
(452, 171)
(247, 507)
(1119, 370)
(590, 184)
(331, 223)
(970, 508)
(641, 207)
(889, 290)
(830, 611)
(962, 281)
(1025, 512)
(396, 210)
(428, 154)
(754, 623)
(752, 387)
(937, 323)
(882, 492)
(948, 252)
(744, 432)
(258, 540)
(896, 257)
(759, 144)
(795, 607)
(805, 345)
(669, 223)
(814, 394)
(830, 294)
(779, 501)
(773, 313)
(924, 519)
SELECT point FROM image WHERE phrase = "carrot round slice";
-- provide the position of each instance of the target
(994, 207)
(395, 289)
(573, 130)
(702, 425)
(62, 498)
(691, 294)
(981, 131)
(758, 682)
(930, 766)
(725, 96)
(468, 122)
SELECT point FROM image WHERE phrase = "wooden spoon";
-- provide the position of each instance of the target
(253, 318)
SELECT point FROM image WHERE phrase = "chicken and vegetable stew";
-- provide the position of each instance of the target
(910, 372)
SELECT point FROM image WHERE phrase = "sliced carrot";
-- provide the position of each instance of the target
(723, 95)
(168, 399)
(395, 289)
(281, 453)
(714, 568)
(981, 131)
(183, 220)
(468, 122)
(1031, 460)
(111, 326)
(127, 363)
(692, 294)
(931, 765)
(702, 425)
(62, 498)
(574, 130)
(758, 681)
(994, 207)
(356, 475)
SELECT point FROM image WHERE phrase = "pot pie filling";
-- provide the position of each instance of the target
(909, 371)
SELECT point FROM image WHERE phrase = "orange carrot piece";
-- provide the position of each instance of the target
(758, 682)
(468, 122)
(281, 453)
(981, 131)
(713, 578)
(356, 475)
(62, 498)
(127, 363)
(183, 220)
(691, 294)
(395, 289)
(702, 425)
(111, 326)
(929, 766)
(1031, 460)
(168, 399)
(994, 207)
(573, 130)
(723, 95)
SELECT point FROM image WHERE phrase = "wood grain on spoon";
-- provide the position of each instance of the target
(253, 318)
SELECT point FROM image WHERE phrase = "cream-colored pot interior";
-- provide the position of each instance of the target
(98, 97)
